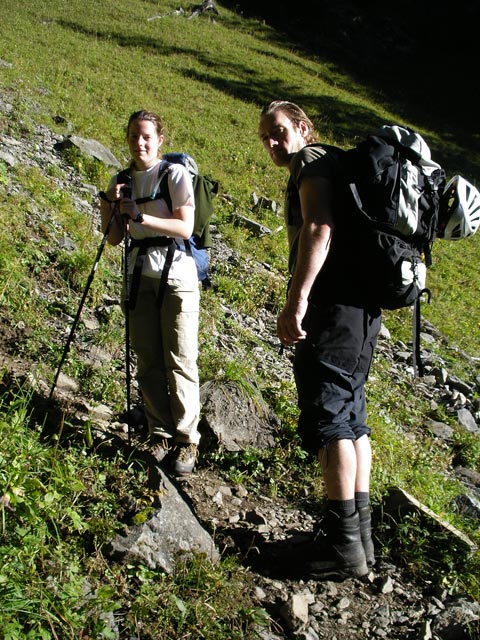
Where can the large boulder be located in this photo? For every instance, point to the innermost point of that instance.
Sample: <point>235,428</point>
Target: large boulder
<point>172,532</point>
<point>236,417</point>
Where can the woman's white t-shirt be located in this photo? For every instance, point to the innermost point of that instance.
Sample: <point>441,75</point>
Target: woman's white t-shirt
<point>180,187</point>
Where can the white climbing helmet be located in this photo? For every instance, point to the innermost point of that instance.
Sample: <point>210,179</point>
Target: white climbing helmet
<point>461,210</point>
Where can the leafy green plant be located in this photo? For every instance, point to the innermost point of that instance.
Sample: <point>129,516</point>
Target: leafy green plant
<point>198,601</point>
<point>467,449</point>
<point>439,555</point>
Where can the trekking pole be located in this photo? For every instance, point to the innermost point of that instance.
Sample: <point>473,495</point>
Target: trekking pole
<point>127,322</point>
<point>127,193</point>
<point>82,302</point>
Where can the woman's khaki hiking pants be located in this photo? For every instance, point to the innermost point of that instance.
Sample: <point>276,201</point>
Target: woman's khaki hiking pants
<point>165,341</point>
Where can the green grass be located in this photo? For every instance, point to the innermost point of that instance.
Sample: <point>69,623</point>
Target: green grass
<point>93,64</point>
<point>107,64</point>
<point>57,508</point>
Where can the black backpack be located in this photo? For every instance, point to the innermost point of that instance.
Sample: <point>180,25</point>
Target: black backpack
<point>390,192</point>
<point>393,200</point>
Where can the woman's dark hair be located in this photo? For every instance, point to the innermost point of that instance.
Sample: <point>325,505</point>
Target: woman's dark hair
<point>146,115</point>
<point>294,112</point>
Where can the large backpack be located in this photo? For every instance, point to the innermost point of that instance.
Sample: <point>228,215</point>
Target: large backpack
<point>205,189</point>
<point>394,197</point>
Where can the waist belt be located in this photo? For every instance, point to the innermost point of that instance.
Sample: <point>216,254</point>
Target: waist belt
<point>143,245</point>
<point>146,243</point>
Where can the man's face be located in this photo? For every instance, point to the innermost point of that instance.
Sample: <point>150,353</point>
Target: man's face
<point>281,137</point>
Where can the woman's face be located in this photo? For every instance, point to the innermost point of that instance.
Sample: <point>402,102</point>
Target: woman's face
<point>144,143</point>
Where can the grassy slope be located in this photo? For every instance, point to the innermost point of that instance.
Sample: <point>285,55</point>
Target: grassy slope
<point>94,63</point>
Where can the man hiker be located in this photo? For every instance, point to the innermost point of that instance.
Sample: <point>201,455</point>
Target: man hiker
<point>334,334</point>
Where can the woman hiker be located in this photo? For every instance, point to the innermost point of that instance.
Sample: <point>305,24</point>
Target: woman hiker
<point>163,316</point>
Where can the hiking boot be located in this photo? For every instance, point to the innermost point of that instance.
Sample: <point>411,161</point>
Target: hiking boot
<point>365,517</point>
<point>336,551</point>
<point>184,458</point>
<point>206,283</point>
<point>158,448</point>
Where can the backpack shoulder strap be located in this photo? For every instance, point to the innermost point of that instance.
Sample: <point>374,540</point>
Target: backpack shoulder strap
<point>161,190</point>
<point>125,177</point>
<point>162,185</point>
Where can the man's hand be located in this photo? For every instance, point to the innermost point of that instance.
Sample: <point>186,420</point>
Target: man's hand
<point>289,323</point>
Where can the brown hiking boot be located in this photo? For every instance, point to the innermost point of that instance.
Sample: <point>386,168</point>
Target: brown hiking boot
<point>184,458</point>
<point>158,448</point>
<point>336,552</point>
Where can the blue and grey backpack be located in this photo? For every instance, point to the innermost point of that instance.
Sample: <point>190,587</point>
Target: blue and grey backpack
<point>205,189</point>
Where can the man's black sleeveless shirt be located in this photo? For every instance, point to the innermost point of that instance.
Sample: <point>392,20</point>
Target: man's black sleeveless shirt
<point>336,281</point>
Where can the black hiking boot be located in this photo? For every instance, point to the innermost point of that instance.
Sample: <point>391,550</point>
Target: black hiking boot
<point>336,552</point>
<point>365,517</point>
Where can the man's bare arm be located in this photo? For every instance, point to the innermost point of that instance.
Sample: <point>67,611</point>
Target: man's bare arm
<point>314,244</point>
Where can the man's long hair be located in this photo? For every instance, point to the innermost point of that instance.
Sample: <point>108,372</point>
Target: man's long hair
<point>294,113</point>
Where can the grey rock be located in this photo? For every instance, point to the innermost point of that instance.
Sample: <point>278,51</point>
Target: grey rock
<point>234,418</point>
<point>467,421</point>
<point>7,158</point>
<point>455,623</point>
<point>92,148</point>
<point>258,229</point>
<point>172,532</point>
<point>441,430</point>
<point>467,505</point>
<point>455,383</point>
<point>469,476</point>
<point>263,203</point>
<point>295,612</point>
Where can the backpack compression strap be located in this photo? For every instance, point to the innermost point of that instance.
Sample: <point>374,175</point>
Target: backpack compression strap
<point>417,358</point>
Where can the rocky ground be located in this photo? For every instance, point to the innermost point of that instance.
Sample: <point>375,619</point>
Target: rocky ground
<point>389,603</point>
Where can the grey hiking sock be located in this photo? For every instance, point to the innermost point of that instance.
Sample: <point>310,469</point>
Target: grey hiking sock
<point>342,508</point>
<point>362,499</point>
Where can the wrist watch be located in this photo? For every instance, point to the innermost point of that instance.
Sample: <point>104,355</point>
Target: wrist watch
<point>139,217</point>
